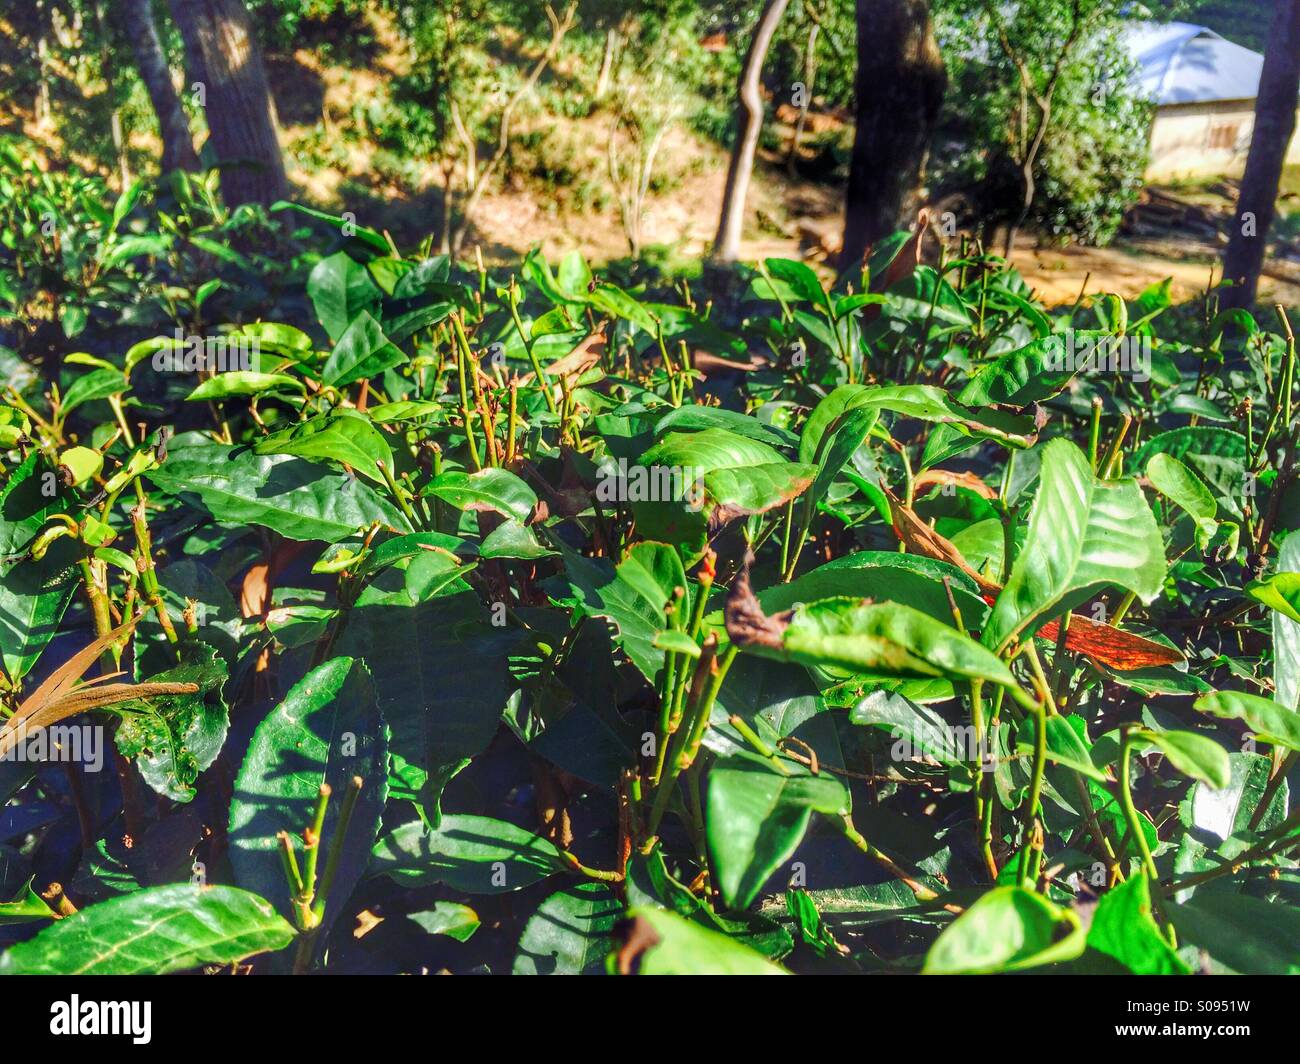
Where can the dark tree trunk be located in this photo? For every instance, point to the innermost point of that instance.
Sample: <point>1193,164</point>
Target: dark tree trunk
<point>1275,107</point>
<point>151,61</point>
<point>749,123</point>
<point>223,55</point>
<point>898,91</point>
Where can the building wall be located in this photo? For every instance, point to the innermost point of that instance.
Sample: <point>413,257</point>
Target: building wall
<point>1204,140</point>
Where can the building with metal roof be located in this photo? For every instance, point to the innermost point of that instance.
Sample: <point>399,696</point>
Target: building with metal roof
<point>1203,87</point>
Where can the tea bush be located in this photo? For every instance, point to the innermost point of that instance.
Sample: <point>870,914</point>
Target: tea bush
<point>362,612</point>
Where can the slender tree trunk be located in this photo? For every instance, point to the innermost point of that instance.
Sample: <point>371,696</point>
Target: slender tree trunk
<point>749,123</point>
<point>607,63</point>
<point>139,28</point>
<point>809,74</point>
<point>448,203</point>
<point>223,55</point>
<point>477,182</point>
<point>898,91</point>
<point>43,111</point>
<point>1275,108</point>
<point>107,67</point>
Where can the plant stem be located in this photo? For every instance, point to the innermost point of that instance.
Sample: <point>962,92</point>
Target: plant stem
<point>1094,433</point>
<point>1035,791</point>
<point>538,372</point>
<point>311,838</point>
<point>923,893</point>
<point>336,846</point>
<point>1130,810</point>
<point>463,365</point>
<point>710,671</point>
<point>148,575</point>
<point>399,496</point>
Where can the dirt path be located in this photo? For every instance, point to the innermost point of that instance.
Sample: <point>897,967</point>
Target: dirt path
<point>1058,275</point>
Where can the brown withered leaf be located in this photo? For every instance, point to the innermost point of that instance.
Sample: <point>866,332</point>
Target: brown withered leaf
<point>747,624</point>
<point>255,590</point>
<point>260,580</point>
<point>62,678</point>
<point>57,698</point>
<point>634,937</point>
<point>909,255</point>
<point>962,480</point>
<point>1111,646</point>
<point>900,268</point>
<point>1103,643</point>
<point>725,512</point>
<point>82,700</point>
<point>710,364</point>
<point>587,354</point>
<point>922,539</point>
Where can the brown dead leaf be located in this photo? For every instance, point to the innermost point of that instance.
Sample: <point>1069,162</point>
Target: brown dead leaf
<point>922,539</point>
<point>1111,646</point>
<point>962,480</point>
<point>634,937</point>
<point>366,922</point>
<point>255,590</point>
<point>32,716</point>
<point>61,679</point>
<point>1103,643</point>
<point>588,353</point>
<point>747,624</point>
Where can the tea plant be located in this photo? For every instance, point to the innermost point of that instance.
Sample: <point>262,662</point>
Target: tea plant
<point>493,620</point>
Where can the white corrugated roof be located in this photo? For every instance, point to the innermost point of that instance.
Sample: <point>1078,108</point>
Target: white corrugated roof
<point>1182,63</point>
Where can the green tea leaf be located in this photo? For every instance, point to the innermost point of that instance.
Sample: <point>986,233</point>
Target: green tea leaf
<point>1270,722</point>
<point>349,439</point>
<point>677,946</point>
<point>33,593</point>
<point>1084,534</point>
<point>885,638</point>
<point>340,290</point>
<point>475,854</point>
<point>173,738</point>
<point>447,918</point>
<point>27,907</point>
<point>243,382</point>
<point>289,495</point>
<point>757,817</point>
<point>1280,592</point>
<point>1178,483</point>
<point>569,933</point>
<point>492,490</point>
<point>362,351</point>
<point>1123,929</point>
<point>1248,935</point>
<point>1007,929</point>
<point>326,731</point>
<point>1194,755</point>
<point>441,675</point>
<point>153,932</point>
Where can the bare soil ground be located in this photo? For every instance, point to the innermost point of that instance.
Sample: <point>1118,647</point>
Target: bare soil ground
<point>333,161</point>
<point>1127,267</point>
